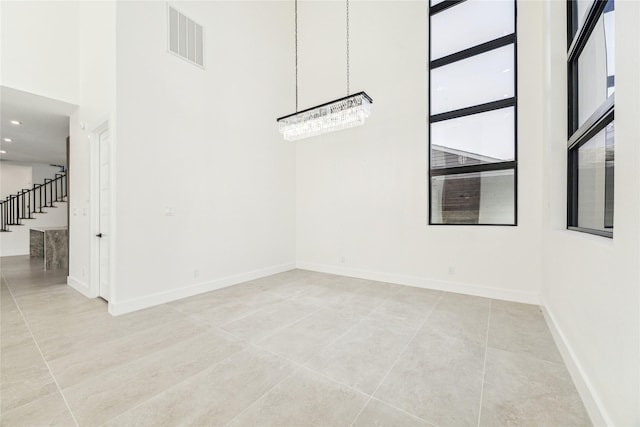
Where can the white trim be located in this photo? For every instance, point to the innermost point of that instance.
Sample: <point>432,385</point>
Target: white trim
<point>422,282</point>
<point>81,287</point>
<point>14,252</point>
<point>104,126</point>
<point>592,402</point>
<point>94,193</point>
<point>121,307</point>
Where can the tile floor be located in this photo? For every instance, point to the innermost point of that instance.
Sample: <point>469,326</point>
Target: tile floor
<point>295,349</point>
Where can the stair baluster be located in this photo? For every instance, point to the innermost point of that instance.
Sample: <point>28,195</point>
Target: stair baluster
<point>27,202</point>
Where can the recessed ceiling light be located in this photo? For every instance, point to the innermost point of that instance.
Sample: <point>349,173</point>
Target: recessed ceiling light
<point>8,140</point>
<point>3,152</point>
<point>16,122</point>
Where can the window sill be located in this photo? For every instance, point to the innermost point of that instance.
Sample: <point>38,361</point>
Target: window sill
<point>608,234</point>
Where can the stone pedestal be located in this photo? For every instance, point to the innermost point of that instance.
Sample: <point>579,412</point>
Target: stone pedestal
<point>50,243</point>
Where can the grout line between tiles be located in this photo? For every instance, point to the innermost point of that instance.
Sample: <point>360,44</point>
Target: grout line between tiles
<point>302,365</point>
<point>377,399</point>
<point>201,321</point>
<point>333,380</point>
<point>259,310</point>
<point>306,367</point>
<point>41,354</point>
<point>369,396</point>
<point>484,363</point>
<point>278,329</point>
<point>330,343</point>
<point>297,365</point>
<point>134,360</point>
<point>197,319</point>
<point>286,377</point>
<point>398,359</point>
<point>369,315</point>
<point>175,385</point>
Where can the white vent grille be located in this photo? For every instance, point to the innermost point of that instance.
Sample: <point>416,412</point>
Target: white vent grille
<point>186,38</point>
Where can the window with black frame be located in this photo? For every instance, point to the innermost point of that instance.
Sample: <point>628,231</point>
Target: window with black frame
<point>591,87</point>
<point>473,112</point>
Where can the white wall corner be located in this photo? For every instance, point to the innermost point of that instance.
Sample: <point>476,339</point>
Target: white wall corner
<point>426,283</point>
<point>81,287</point>
<point>592,402</point>
<point>117,308</point>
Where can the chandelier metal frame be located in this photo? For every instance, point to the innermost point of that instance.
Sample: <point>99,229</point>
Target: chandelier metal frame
<point>339,114</point>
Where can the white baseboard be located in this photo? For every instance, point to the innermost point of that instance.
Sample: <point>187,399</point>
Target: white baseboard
<point>16,252</point>
<point>588,394</point>
<point>421,282</point>
<point>121,307</point>
<point>80,286</point>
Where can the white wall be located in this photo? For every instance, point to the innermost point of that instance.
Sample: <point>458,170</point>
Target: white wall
<point>17,241</point>
<point>18,176</point>
<point>40,55</point>
<point>66,50</point>
<point>39,49</point>
<point>204,143</point>
<point>362,193</point>
<point>40,171</point>
<point>591,284</point>
<point>13,178</point>
<point>356,198</point>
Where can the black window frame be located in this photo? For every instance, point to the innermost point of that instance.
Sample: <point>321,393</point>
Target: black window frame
<point>507,40</point>
<point>578,135</point>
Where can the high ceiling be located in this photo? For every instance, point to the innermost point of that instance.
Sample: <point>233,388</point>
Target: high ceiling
<point>41,138</point>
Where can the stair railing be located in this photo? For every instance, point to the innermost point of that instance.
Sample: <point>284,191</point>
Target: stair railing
<point>25,203</point>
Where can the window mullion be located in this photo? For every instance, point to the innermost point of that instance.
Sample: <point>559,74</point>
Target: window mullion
<point>473,133</point>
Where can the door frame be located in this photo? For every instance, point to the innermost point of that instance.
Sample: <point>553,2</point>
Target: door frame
<point>68,181</point>
<point>94,141</point>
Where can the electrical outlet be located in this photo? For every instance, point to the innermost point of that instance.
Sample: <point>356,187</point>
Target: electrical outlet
<point>343,260</point>
<point>196,274</point>
<point>452,270</point>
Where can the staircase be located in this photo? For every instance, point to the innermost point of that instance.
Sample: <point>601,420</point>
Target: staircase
<point>18,207</point>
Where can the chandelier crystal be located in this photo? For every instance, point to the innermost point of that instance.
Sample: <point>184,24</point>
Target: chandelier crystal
<point>344,113</point>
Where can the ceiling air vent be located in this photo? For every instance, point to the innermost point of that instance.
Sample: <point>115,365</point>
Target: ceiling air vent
<point>186,38</point>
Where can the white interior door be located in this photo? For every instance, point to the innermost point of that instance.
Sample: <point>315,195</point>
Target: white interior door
<point>104,205</point>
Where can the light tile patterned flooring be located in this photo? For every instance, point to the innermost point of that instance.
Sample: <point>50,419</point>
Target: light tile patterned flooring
<point>295,349</point>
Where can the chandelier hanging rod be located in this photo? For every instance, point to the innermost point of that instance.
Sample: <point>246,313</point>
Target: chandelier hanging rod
<point>338,114</point>
<point>364,94</point>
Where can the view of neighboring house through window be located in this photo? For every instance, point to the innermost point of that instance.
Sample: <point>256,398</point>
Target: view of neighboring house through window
<point>591,74</point>
<point>472,107</point>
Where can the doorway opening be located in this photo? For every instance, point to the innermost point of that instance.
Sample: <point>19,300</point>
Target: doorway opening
<point>34,190</point>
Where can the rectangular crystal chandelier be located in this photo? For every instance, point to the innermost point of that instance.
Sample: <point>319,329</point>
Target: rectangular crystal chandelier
<point>343,113</point>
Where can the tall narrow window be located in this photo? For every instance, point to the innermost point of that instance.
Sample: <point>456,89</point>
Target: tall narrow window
<point>473,112</point>
<point>591,87</point>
